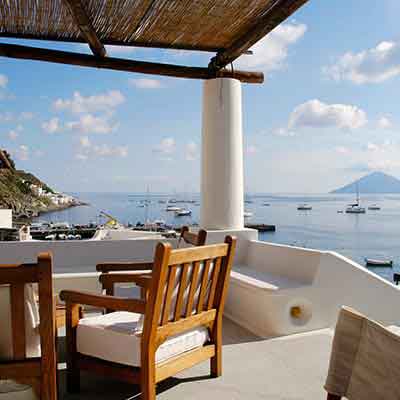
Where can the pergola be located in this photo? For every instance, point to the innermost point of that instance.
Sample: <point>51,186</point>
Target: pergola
<point>227,28</point>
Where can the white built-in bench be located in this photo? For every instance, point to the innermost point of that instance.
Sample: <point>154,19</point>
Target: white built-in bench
<point>249,276</point>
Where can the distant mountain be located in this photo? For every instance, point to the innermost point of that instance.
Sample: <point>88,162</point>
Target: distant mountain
<point>376,182</point>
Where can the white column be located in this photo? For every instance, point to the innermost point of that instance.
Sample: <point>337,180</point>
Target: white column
<point>222,155</point>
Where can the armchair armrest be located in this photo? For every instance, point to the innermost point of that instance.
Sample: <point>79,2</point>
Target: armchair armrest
<point>143,280</point>
<point>103,301</point>
<point>124,266</point>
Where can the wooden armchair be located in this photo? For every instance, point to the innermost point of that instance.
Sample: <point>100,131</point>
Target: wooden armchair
<point>27,346</point>
<point>108,280</point>
<point>147,341</point>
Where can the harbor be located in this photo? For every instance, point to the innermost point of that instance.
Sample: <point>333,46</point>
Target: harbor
<point>361,235</point>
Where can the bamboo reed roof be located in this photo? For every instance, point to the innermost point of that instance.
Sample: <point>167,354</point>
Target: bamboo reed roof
<point>226,27</point>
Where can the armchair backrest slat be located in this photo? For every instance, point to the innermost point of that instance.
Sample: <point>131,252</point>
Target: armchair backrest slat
<point>17,304</point>
<point>186,284</point>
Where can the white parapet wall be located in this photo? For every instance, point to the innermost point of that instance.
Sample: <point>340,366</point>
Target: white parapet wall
<point>5,219</point>
<point>280,290</point>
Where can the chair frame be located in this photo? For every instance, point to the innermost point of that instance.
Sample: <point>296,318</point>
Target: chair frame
<point>157,326</point>
<point>39,372</point>
<point>109,271</point>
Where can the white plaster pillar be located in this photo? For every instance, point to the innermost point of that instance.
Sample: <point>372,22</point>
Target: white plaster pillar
<point>222,155</point>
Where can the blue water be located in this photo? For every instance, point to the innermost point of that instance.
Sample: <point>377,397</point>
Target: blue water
<point>375,234</point>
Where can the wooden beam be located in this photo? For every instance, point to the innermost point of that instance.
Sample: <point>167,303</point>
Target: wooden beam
<point>85,26</point>
<point>118,64</point>
<point>278,12</point>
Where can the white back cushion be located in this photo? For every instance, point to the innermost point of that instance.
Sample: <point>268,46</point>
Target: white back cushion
<point>31,324</point>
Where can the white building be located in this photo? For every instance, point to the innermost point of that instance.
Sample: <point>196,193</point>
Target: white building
<point>5,219</point>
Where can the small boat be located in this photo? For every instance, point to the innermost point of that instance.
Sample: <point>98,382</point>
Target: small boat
<point>340,211</point>
<point>172,208</point>
<point>374,207</point>
<point>378,263</point>
<point>183,213</point>
<point>248,214</point>
<point>266,204</point>
<point>304,207</point>
<point>355,208</point>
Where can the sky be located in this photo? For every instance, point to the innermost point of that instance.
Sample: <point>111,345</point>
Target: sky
<point>327,113</point>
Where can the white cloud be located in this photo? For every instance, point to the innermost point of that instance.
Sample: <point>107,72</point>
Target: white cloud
<point>270,53</point>
<point>79,104</point>
<point>87,150</point>
<point>384,122</point>
<point>82,157</point>
<point>105,150</point>
<point>22,153</point>
<point>167,146</point>
<point>146,83</point>
<point>283,132</point>
<point>13,134</point>
<point>251,149</point>
<point>374,65</point>
<point>52,126</point>
<point>191,151</point>
<point>342,150</point>
<point>3,81</point>
<point>89,123</point>
<point>316,114</point>
<point>111,49</point>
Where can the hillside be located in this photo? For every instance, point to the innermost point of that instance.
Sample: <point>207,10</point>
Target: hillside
<point>376,182</point>
<point>15,193</point>
<point>27,195</point>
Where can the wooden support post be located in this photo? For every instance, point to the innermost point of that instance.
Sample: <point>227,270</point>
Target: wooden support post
<point>85,26</point>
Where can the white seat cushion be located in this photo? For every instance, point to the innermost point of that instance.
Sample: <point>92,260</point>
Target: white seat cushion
<point>9,390</point>
<point>113,337</point>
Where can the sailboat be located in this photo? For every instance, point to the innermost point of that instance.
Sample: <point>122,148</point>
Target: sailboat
<point>355,208</point>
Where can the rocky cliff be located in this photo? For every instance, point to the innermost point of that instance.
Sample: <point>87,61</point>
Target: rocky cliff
<point>16,193</point>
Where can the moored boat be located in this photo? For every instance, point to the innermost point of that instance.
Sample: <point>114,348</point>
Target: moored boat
<point>378,263</point>
<point>304,207</point>
<point>355,208</point>
<point>183,213</point>
<point>172,208</point>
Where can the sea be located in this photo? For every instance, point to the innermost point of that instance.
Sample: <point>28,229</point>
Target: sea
<point>375,234</point>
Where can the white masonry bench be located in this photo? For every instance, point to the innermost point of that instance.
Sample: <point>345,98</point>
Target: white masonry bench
<point>271,290</point>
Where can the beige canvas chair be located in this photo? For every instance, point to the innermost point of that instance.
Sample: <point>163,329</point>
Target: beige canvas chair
<point>27,334</point>
<point>146,341</point>
<point>365,359</point>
